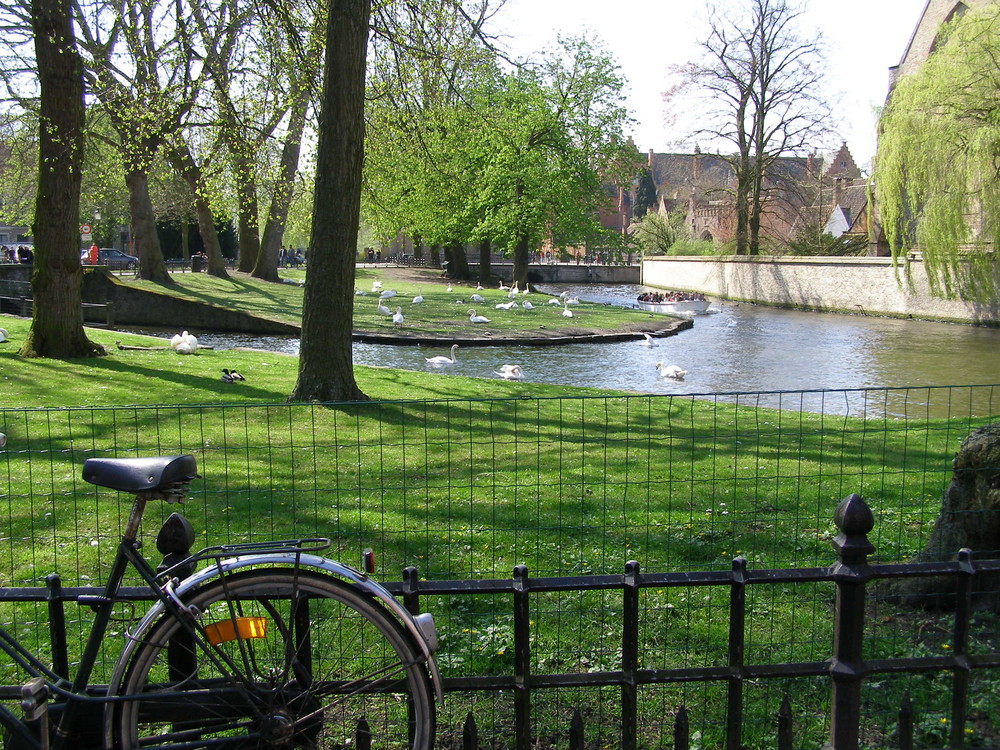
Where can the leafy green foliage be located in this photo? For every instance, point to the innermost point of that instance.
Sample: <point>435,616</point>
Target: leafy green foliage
<point>656,233</point>
<point>936,171</point>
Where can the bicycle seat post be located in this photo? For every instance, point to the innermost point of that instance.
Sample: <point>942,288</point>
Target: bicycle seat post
<point>135,517</point>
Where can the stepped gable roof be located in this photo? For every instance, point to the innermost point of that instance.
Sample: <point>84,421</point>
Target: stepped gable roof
<point>841,164</point>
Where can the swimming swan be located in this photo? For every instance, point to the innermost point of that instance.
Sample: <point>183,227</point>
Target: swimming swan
<point>509,372</point>
<point>671,371</point>
<point>442,360</point>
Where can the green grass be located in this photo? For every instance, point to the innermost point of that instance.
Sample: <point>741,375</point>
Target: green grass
<point>441,314</point>
<point>471,480</point>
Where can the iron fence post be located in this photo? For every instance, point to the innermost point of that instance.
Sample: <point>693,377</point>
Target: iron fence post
<point>737,644</point>
<point>630,655</point>
<point>960,646</point>
<point>522,660</point>
<point>851,572</point>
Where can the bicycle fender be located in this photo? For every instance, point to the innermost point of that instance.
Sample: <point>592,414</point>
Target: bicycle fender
<point>416,626</point>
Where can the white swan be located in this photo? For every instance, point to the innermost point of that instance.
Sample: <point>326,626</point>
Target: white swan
<point>671,371</point>
<point>418,299</point>
<point>527,305</point>
<point>510,372</point>
<point>397,318</point>
<point>473,318</point>
<point>555,301</point>
<point>187,345</point>
<point>648,341</point>
<point>383,310</point>
<point>360,292</point>
<point>572,300</point>
<point>442,360</point>
<point>449,286</point>
<point>387,293</point>
<point>513,291</point>
<point>477,298</point>
<point>503,287</point>
<point>479,287</point>
<point>376,285</point>
<point>567,313</point>
<point>507,305</point>
<point>3,334</point>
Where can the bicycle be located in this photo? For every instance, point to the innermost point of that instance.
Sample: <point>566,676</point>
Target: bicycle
<point>267,646</point>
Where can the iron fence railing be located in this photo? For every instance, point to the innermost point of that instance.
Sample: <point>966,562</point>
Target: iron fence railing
<point>847,665</point>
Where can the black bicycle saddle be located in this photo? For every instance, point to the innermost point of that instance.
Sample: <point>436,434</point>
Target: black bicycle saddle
<point>139,474</point>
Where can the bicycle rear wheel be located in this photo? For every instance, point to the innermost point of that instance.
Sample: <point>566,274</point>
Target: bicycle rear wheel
<point>285,659</point>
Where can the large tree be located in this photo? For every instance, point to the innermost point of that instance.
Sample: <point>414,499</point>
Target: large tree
<point>57,318</point>
<point>326,367</point>
<point>762,87</point>
<point>553,139</point>
<point>936,172</point>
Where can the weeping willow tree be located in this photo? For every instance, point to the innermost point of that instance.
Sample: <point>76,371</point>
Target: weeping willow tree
<point>938,167</point>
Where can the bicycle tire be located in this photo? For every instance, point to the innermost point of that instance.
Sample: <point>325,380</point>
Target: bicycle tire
<point>333,667</point>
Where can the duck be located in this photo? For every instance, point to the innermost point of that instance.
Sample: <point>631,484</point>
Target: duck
<point>442,360</point>
<point>232,375</point>
<point>226,377</point>
<point>383,310</point>
<point>418,299</point>
<point>397,317</point>
<point>671,371</point>
<point>509,372</point>
<point>477,318</point>
<point>647,341</point>
<point>477,298</point>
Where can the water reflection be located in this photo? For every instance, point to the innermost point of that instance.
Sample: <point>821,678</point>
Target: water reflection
<point>740,348</point>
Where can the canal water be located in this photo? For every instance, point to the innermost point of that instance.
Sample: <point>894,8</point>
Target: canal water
<point>736,348</point>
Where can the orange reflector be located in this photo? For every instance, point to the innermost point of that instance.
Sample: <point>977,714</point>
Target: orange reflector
<point>243,628</point>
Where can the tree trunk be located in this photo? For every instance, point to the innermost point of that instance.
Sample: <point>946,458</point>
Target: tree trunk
<point>147,243</point>
<point>183,161</point>
<point>521,257</point>
<point>326,365</point>
<point>485,267</point>
<point>969,517</point>
<point>249,223</point>
<point>266,267</point>
<point>57,318</point>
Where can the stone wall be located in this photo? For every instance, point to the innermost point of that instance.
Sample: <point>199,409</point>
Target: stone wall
<point>870,285</point>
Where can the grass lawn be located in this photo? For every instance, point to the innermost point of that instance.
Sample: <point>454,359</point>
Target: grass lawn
<point>442,313</point>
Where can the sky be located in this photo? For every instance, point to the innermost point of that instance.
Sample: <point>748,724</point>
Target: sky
<point>864,38</point>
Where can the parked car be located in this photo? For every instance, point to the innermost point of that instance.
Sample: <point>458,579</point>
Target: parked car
<point>116,260</point>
